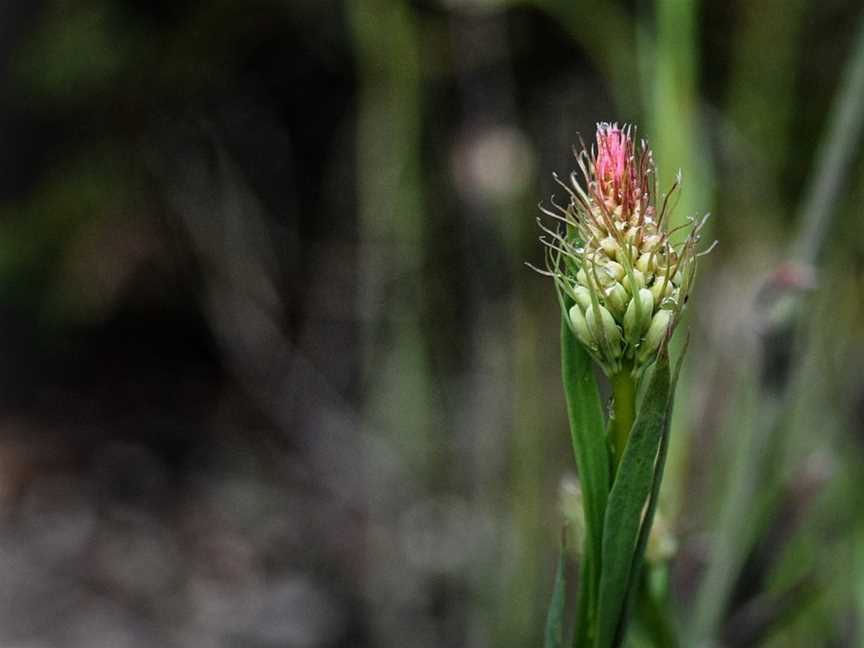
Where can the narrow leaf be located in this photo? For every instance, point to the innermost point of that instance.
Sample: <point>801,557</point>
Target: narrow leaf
<point>648,521</point>
<point>630,492</point>
<point>586,603</point>
<point>557,606</point>
<point>587,433</point>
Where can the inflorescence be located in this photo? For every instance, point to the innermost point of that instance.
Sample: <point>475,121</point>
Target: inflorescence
<point>621,278</point>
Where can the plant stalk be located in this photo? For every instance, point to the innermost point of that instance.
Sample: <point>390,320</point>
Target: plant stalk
<point>623,412</point>
<point>655,616</point>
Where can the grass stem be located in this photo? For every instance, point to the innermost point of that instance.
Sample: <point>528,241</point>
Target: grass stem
<point>623,412</point>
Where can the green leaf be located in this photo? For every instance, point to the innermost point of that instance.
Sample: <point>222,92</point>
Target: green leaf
<point>587,433</point>
<point>586,602</point>
<point>630,492</point>
<point>645,531</point>
<point>557,606</point>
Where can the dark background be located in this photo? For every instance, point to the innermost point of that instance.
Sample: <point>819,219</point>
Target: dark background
<point>273,371</point>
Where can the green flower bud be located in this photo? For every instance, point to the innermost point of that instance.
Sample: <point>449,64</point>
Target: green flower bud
<point>610,247</point>
<point>583,297</point>
<point>581,327</point>
<point>605,331</point>
<point>655,335</point>
<point>633,327</point>
<point>650,242</point>
<point>644,263</point>
<point>582,278</point>
<point>615,270</point>
<point>637,284</point>
<point>616,299</point>
<point>607,273</point>
<point>661,289</point>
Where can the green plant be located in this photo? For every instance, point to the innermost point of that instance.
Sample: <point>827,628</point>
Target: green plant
<point>622,282</point>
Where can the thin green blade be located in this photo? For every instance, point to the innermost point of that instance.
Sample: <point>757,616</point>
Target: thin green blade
<point>558,604</point>
<point>648,521</point>
<point>630,492</point>
<point>588,436</point>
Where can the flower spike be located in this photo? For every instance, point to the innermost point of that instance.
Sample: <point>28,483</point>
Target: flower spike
<point>625,281</point>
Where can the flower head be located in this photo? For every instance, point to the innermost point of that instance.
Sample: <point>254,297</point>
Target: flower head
<point>622,278</point>
<point>612,166</point>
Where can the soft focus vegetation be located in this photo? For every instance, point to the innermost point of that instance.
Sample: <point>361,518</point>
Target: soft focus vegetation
<point>274,372</point>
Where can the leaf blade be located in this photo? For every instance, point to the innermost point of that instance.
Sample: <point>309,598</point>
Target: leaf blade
<point>555,616</point>
<point>588,437</point>
<point>630,493</point>
<point>653,499</point>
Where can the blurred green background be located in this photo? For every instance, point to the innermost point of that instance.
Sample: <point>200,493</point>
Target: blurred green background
<point>273,371</point>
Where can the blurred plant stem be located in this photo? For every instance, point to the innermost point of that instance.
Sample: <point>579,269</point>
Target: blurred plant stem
<point>859,577</point>
<point>760,99</point>
<point>508,585</point>
<point>760,107</point>
<point>521,437</point>
<point>669,58</point>
<point>670,63</point>
<point>835,158</point>
<point>521,607</point>
<point>745,505</point>
<point>673,104</point>
<point>391,221</point>
<point>653,614</point>
<point>606,32</point>
<point>395,372</point>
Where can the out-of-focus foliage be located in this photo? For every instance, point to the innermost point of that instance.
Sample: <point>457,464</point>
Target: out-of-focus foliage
<point>274,373</point>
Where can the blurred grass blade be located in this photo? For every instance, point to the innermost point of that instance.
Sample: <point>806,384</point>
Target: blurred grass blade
<point>558,604</point>
<point>630,492</point>
<point>592,460</point>
<point>739,514</point>
<point>836,156</point>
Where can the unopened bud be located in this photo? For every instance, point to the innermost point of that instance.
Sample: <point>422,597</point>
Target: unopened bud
<point>661,289</point>
<point>637,284</point>
<point>604,331</point>
<point>635,326</point>
<point>644,264</point>
<point>617,298</point>
<point>582,277</point>
<point>609,273</point>
<point>655,335</point>
<point>616,270</point>
<point>580,327</point>
<point>610,247</point>
<point>650,242</point>
<point>582,296</point>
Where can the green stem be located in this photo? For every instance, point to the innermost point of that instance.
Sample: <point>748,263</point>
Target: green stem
<point>655,616</point>
<point>623,412</point>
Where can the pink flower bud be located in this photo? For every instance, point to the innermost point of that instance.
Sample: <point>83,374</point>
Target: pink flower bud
<point>615,168</point>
